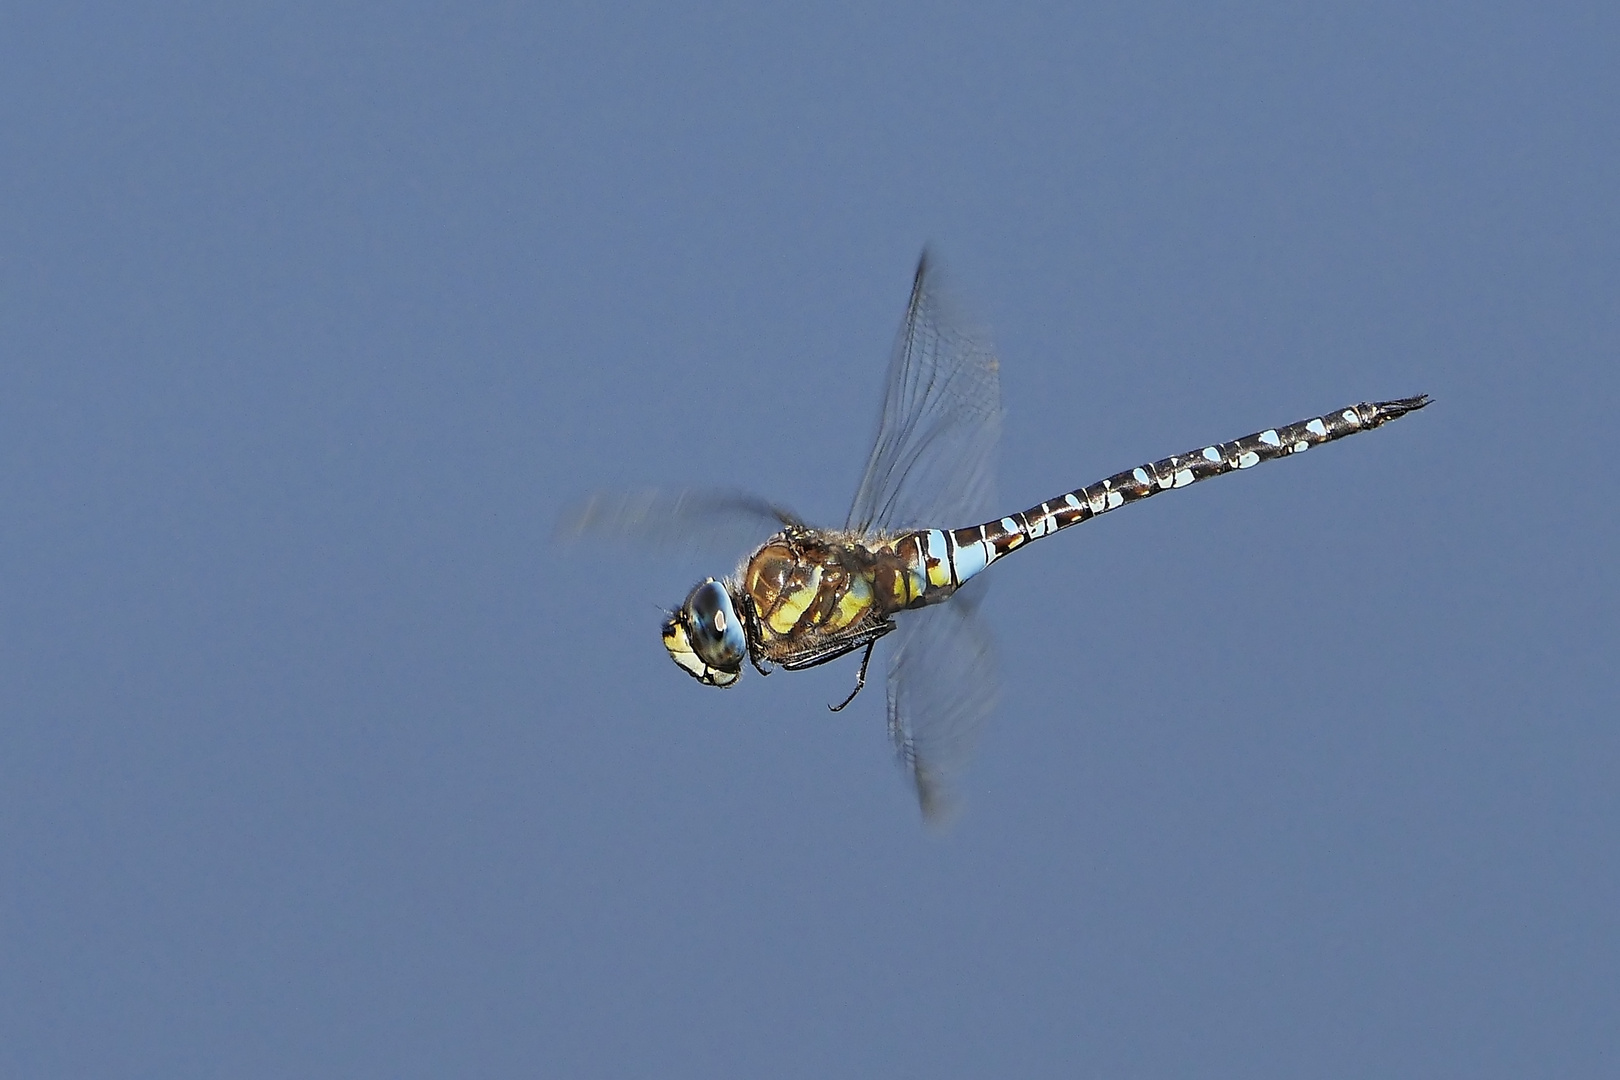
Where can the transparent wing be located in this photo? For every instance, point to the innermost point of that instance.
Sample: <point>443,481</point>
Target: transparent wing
<point>942,684</point>
<point>682,519</point>
<point>931,464</point>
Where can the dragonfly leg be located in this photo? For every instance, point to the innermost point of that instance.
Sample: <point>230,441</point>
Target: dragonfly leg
<point>752,615</point>
<point>860,678</point>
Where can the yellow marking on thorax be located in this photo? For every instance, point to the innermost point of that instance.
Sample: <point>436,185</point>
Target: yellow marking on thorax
<point>911,578</point>
<point>790,607</point>
<point>852,605</point>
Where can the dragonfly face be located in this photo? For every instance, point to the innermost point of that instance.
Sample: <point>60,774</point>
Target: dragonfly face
<point>706,638</point>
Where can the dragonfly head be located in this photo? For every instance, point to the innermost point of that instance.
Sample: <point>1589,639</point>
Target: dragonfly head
<point>705,636</point>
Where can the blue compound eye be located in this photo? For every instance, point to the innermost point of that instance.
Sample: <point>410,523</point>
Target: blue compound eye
<point>717,633</point>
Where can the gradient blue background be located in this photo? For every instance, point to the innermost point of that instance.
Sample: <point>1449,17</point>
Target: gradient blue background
<point>318,757</point>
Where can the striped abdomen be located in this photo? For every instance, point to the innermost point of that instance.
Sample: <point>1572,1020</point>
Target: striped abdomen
<point>950,557</point>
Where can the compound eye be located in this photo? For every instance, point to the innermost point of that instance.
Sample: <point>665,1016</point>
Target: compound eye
<point>717,633</point>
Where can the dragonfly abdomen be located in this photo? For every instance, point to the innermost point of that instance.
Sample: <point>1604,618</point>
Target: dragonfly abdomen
<point>953,556</point>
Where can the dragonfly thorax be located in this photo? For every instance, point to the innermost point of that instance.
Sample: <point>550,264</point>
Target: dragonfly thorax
<point>807,583</point>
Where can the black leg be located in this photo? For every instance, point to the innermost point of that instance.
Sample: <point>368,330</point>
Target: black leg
<point>860,679</point>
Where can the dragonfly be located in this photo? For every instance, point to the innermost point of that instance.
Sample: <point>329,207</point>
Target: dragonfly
<point>905,567</point>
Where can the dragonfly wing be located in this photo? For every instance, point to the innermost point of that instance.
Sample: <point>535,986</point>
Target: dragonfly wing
<point>682,519</point>
<point>932,466</point>
<point>942,684</point>
<point>931,463</point>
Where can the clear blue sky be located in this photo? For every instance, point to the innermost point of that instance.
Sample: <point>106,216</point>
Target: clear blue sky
<point>319,758</point>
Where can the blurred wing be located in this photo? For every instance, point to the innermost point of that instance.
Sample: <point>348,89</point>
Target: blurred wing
<point>942,684</point>
<point>684,519</point>
<point>931,466</point>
